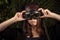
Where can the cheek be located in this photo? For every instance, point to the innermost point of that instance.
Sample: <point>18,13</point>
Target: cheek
<point>33,22</point>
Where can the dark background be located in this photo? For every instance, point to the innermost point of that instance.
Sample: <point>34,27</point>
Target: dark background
<point>8,8</point>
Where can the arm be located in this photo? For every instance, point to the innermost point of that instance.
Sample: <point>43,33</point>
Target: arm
<point>17,17</point>
<point>56,16</point>
<point>6,23</point>
<point>48,13</point>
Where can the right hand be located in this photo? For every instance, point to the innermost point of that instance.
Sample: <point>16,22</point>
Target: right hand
<point>46,13</point>
<point>18,16</point>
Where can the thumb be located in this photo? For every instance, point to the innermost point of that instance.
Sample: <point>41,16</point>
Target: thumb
<point>42,16</point>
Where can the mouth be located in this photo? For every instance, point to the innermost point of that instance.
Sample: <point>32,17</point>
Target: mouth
<point>33,23</point>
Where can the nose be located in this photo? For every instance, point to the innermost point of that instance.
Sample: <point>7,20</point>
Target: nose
<point>32,19</point>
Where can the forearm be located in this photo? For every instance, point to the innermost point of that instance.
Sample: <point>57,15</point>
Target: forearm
<point>56,16</point>
<point>6,23</point>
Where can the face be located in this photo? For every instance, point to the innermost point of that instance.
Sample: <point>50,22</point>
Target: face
<point>33,22</point>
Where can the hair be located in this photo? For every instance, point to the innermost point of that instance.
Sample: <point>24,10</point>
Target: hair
<point>27,28</point>
<point>32,6</point>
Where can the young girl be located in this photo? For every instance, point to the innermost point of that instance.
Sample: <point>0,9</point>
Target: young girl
<point>32,29</point>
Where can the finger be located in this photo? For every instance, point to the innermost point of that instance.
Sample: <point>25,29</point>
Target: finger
<point>40,9</point>
<point>24,19</point>
<point>18,14</point>
<point>43,11</point>
<point>42,16</point>
<point>23,11</point>
<point>48,11</point>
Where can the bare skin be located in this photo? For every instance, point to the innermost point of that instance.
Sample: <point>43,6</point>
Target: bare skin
<point>18,17</point>
<point>47,13</point>
<point>33,22</point>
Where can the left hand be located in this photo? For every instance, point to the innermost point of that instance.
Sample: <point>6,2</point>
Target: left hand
<point>46,13</point>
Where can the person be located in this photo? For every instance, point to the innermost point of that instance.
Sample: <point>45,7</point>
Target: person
<point>46,13</point>
<point>33,29</point>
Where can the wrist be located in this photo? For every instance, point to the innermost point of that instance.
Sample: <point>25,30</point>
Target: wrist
<point>13,19</point>
<point>53,15</point>
<point>56,16</point>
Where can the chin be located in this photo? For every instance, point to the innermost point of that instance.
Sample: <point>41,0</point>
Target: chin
<point>33,24</point>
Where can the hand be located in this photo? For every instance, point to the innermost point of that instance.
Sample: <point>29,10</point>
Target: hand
<point>46,13</point>
<point>18,16</point>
